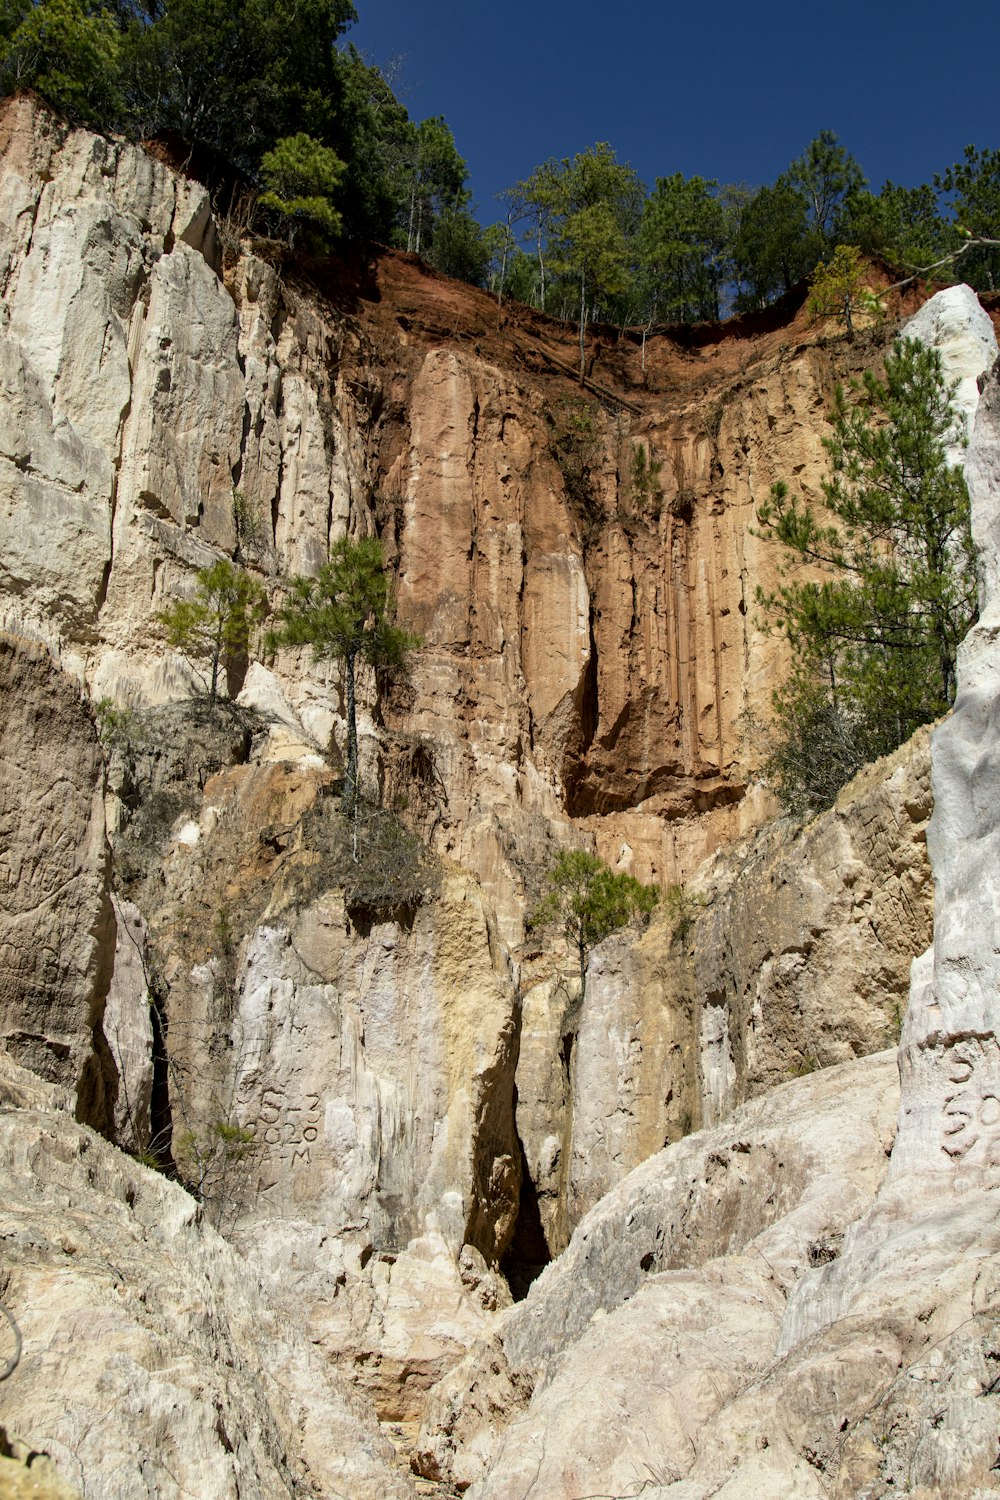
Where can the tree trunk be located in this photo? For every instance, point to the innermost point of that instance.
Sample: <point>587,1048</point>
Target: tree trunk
<point>541,272</point>
<point>583,324</point>
<point>351,779</point>
<point>213,691</point>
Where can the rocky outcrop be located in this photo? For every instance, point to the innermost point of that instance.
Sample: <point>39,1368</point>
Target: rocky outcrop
<point>878,1373</point>
<point>151,1361</point>
<point>335,1077</point>
<point>640,1316</point>
<point>802,957</point>
<point>28,1475</point>
<point>791,952</point>
<point>590,643</point>
<point>930,1240</point>
<point>340,1079</point>
<point>57,928</point>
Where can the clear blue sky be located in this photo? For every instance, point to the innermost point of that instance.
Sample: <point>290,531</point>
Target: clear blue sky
<point>724,89</point>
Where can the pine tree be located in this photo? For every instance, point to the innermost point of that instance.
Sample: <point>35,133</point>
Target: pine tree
<point>875,635</point>
<point>218,623</point>
<point>345,614</point>
<point>588,902</point>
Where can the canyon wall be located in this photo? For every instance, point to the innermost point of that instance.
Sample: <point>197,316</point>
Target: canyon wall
<point>592,654</point>
<point>835,1341</point>
<point>382,1108</point>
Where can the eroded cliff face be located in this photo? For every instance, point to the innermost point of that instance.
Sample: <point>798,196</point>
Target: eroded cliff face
<point>56,921</point>
<point>382,1109</point>
<point>858,1360</point>
<point>151,1360</point>
<point>590,643</point>
<point>791,953</point>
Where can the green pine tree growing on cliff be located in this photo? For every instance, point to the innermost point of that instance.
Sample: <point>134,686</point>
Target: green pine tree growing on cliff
<point>875,624</point>
<point>217,624</point>
<point>301,176</point>
<point>587,902</point>
<point>346,614</point>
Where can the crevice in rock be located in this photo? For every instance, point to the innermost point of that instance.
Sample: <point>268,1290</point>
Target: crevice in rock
<point>588,715</point>
<point>20,258</point>
<point>280,476</point>
<point>528,1253</point>
<point>102,592</point>
<point>161,1125</point>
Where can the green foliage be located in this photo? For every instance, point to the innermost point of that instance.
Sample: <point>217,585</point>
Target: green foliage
<point>251,534</point>
<point>66,49</point>
<point>217,624</point>
<point>346,614</point>
<point>117,728</point>
<point>586,209</point>
<point>644,478</point>
<point>301,176</point>
<point>838,288</point>
<point>973,185</point>
<point>372,133</point>
<point>266,89</point>
<point>535,202</point>
<point>682,907</point>
<point>459,247</point>
<point>902,225</point>
<point>681,250</point>
<point>576,446</point>
<point>587,902</point>
<point>875,634</point>
<point>825,174</point>
<point>771,244</point>
<point>223,933</point>
<point>437,179</point>
<point>236,76</point>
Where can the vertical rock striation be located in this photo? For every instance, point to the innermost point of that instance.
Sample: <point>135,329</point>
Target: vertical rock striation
<point>57,927</point>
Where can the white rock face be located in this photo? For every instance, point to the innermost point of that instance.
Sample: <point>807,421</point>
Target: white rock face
<point>368,1062</point>
<point>947,1156</point>
<point>739,991</point>
<point>128,1029</point>
<point>151,1362</point>
<point>954,323</point>
<point>57,926</point>
<point>668,1301</point>
<point>374,1062</point>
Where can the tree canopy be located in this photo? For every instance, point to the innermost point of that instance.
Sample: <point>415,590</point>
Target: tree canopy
<point>217,624</point>
<point>274,96</point>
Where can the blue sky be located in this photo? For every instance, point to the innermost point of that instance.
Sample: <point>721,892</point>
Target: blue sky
<point>727,90</point>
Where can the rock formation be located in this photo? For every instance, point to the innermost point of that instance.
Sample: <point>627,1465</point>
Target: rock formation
<point>872,1371</point>
<point>386,1105</point>
<point>791,952</point>
<point>151,1363</point>
<point>56,921</point>
<point>590,642</point>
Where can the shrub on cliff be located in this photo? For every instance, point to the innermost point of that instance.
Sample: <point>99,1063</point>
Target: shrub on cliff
<point>301,177</point>
<point>876,627</point>
<point>380,864</point>
<point>218,623</point>
<point>345,614</point>
<point>587,902</point>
